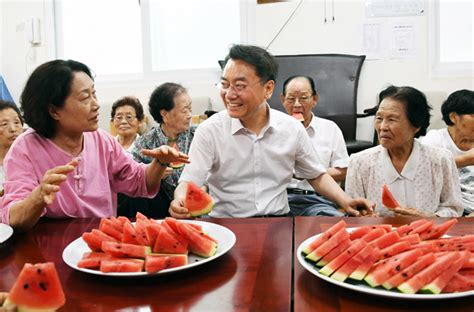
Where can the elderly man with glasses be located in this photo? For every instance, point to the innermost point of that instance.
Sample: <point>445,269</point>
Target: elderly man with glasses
<point>299,97</point>
<point>247,153</point>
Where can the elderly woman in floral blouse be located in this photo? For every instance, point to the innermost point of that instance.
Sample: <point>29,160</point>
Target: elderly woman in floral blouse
<point>170,107</point>
<point>423,179</point>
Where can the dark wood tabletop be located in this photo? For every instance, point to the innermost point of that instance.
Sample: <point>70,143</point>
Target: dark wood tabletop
<point>314,294</point>
<point>255,275</point>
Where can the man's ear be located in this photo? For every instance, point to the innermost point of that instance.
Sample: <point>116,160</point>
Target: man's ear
<point>269,87</point>
<point>53,112</point>
<point>282,98</point>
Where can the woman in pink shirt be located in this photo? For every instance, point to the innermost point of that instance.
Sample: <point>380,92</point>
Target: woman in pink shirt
<point>64,166</point>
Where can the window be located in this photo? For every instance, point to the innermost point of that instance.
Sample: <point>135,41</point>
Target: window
<point>452,38</point>
<point>132,38</point>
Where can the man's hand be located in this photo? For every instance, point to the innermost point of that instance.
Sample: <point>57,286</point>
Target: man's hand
<point>177,209</point>
<point>359,207</point>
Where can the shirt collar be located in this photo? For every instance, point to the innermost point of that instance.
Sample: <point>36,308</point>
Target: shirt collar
<point>409,170</point>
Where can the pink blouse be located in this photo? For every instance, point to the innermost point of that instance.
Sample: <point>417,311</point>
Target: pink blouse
<point>104,169</point>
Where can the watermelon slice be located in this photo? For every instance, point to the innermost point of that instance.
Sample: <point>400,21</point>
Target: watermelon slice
<point>95,238</point>
<point>334,253</point>
<point>438,230</point>
<point>365,266</point>
<point>91,260</point>
<point>111,228</point>
<point>169,243</point>
<point>156,263</point>
<point>411,270</point>
<point>197,201</point>
<point>298,116</point>
<point>122,250</point>
<point>337,262</point>
<point>324,237</point>
<point>37,288</point>
<point>197,244</point>
<point>352,264</point>
<point>459,283</point>
<point>121,265</point>
<point>388,200</point>
<point>436,286</point>
<point>328,245</point>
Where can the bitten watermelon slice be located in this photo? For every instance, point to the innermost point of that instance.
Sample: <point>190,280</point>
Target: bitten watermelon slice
<point>176,164</point>
<point>388,200</point>
<point>37,288</point>
<point>298,116</point>
<point>197,201</point>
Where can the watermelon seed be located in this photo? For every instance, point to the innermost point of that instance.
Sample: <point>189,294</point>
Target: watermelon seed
<point>42,286</point>
<point>39,271</point>
<point>25,286</point>
<point>397,268</point>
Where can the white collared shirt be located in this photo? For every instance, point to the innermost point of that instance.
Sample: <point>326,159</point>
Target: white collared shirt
<point>329,143</point>
<point>247,173</point>
<point>441,138</point>
<point>429,180</point>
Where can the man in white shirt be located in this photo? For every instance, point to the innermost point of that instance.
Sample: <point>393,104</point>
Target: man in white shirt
<point>247,153</point>
<point>299,97</point>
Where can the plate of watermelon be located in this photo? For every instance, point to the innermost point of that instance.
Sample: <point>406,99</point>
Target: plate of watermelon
<point>415,261</point>
<point>6,232</point>
<point>150,258</point>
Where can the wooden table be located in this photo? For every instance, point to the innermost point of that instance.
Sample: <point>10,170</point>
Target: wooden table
<point>314,294</point>
<point>255,275</point>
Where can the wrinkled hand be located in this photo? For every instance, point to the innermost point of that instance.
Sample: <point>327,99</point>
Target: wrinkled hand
<point>166,154</point>
<point>471,215</point>
<point>167,173</point>
<point>411,212</point>
<point>52,178</point>
<point>360,207</point>
<point>10,307</point>
<point>177,209</point>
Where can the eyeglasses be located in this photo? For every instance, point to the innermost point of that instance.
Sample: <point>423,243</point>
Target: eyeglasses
<point>127,118</point>
<point>302,99</point>
<point>224,86</point>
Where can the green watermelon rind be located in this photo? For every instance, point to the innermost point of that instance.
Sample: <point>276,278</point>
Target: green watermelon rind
<point>203,211</point>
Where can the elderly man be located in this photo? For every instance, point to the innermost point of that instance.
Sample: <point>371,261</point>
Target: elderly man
<point>299,97</point>
<point>248,152</point>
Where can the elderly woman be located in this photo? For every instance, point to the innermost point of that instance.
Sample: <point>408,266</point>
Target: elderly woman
<point>170,107</point>
<point>64,166</point>
<point>11,126</point>
<point>458,138</point>
<point>420,176</point>
<point>127,116</point>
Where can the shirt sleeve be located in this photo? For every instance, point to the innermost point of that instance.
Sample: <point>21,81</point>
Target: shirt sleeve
<point>339,157</point>
<point>202,156</point>
<point>450,198</point>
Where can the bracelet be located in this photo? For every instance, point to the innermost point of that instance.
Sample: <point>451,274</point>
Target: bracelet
<point>162,164</point>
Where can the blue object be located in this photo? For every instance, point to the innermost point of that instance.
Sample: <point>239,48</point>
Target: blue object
<point>4,93</point>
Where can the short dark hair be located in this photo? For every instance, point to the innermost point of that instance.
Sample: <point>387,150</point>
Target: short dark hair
<point>163,98</point>
<point>309,79</point>
<point>49,84</point>
<point>416,106</point>
<point>264,63</point>
<point>130,101</point>
<point>11,105</point>
<point>460,102</point>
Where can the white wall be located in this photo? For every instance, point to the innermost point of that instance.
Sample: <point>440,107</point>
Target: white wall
<point>306,33</point>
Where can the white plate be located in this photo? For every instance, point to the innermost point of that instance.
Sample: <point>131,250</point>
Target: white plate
<point>364,287</point>
<point>225,240</point>
<point>6,232</point>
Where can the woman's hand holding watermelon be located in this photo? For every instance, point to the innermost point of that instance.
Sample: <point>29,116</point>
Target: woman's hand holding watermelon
<point>177,209</point>
<point>412,212</point>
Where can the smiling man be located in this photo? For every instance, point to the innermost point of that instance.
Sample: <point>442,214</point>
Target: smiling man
<point>248,152</point>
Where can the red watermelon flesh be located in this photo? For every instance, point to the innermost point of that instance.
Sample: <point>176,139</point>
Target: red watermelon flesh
<point>438,230</point>
<point>361,231</point>
<point>328,245</point>
<point>352,264</point>
<point>140,228</point>
<point>95,239</point>
<point>405,229</point>
<point>440,282</point>
<point>176,164</point>
<point>37,287</point>
<point>91,260</point>
<point>428,274</point>
<point>388,200</point>
<point>411,270</point>
<point>121,265</point>
<point>385,240</point>
<point>197,201</point>
<point>372,235</point>
<point>156,263</point>
<point>168,243</point>
<point>379,274</point>
<point>425,227</point>
<point>197,244</point>
<point>152,230</point>
<point>459,283</point>
<point>110,228</point>
<point>337,262</point>
<point>365,266</point>
<point>122,250</point>
<point>412,238</point>
<point>130,235</point>
<point>334,253</point>
<point>395,249</point>
<point>324,237</point>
